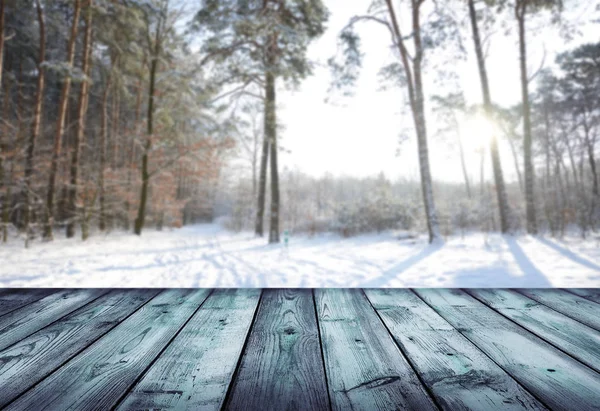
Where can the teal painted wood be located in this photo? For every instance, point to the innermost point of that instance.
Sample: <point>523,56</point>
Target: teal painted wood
<point>579,340</point>
<point>99,376</point>
<point>281,367</point>
<point>14,298</point>
<point>365,369</point>
<point>558,380</point>
<point>574,306</point>
<point>592,294</point>
<point>458,374</point>
<point>26,320</point>
<point>196,369</point>
<point>33,358</point>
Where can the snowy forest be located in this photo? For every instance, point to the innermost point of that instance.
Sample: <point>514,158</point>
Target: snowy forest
<point>137,114</point>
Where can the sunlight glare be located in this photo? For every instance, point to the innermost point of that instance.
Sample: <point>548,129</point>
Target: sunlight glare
<point>476,131</point>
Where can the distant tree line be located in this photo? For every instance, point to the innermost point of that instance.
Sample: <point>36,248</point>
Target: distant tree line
<point>120,113</point>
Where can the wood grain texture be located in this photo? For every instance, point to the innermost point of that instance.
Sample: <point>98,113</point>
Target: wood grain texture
<point>282,366</point>
<point>103,372</point>
<point>19,323</point>
<point>579,340</point>
<point>14,298</point>
<point>196,369</point>
<point>458,374</point>
<point>365,369</point>
<point>576,307</point>
<point>557,380</point>
<point>592,294</point>
<point>33,358</point>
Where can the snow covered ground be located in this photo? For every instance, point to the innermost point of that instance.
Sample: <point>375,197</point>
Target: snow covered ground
<point>209,256</point>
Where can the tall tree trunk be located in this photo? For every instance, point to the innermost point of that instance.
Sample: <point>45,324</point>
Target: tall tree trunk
<point>80,126</point>
<point>516,161</point>
<point>560,199</point>
<point>463,164</point>
<point>548,187</point>
<point>115,127</point>
<point>2,176</point>
<point>5,202</point>
<point>520,9</point>
<point>1,39</point>
<point>103,149</point>
<point>37,117</point>
<point>417,104</point>
<point>132,154</point>
<point>573,163</point>
<point>589,144</point>
<point>60,125</point>
<point>254,169</point>
<point>262,186</point>
<point>139,221</point>
<point>271,135</point>
<point>487,103</point>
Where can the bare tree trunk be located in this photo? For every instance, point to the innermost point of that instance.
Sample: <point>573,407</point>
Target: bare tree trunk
<point>115,126</point>
<point>80,126</point>
<point>520,9</point>
<point>589,143</point>
<point>60,125</point>
<point>254,165</point>
<point>560,199</point>
<point>415,93</point>
<point>137,120</point>
<point>262,184</point>
<point>37,117</point>
<point>464,165</point>
<point>5,205</point>
<point>2,176</point>
<point>271,134</point>
<point>139,222</point>
<point>573,162</point>
<point>103,148</point>
<point>549,187</point>
<point>487,103</point>
<point>1,39</point>
<point>516,160</point>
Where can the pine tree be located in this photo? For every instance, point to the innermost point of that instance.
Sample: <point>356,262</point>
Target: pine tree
<point>261,42</point>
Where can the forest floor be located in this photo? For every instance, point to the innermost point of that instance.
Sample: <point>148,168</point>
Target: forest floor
<point>209,256</point>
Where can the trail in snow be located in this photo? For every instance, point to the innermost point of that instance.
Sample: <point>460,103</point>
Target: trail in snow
<point>208,256</point>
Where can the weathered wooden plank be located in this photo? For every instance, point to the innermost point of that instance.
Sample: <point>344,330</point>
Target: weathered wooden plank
<point>100,375</point>
<point>592,294</point>
<point>196,369</point>
<point>30,360</point>
<point>18,324</point>
<point>553,377</point>
<point>281,367</point>
<point>14,298</point>
<point>579,340</point>
<point>458,374</point>
<point>364,367</point>
<point>574,306</point>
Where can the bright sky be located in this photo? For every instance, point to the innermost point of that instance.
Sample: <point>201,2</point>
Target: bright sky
<point>360,135</point>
